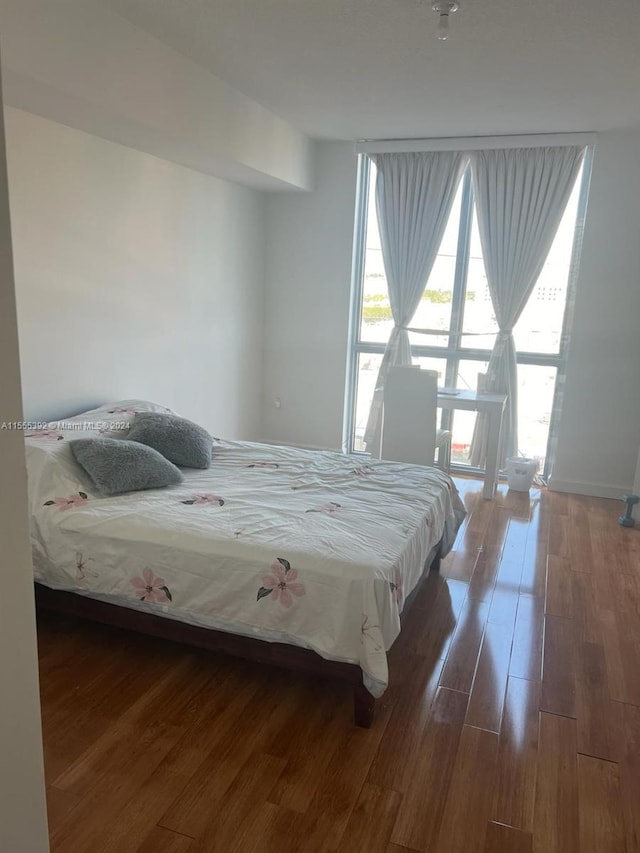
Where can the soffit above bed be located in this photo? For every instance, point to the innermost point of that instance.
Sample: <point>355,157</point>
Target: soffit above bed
<point>80,64</point>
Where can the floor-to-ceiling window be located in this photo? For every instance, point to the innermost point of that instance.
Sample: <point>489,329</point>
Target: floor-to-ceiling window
<point>454,328</point>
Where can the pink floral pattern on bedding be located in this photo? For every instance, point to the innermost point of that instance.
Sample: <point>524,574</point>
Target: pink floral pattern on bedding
<point>330,508</point>
<point>282,583</point>
<point>69,502</point>
<point>396,586</point>
<point>204,499</point>
<point>371,634</point>
<point>151,588</point>
<point>83,570</point>
<point>364,471</point>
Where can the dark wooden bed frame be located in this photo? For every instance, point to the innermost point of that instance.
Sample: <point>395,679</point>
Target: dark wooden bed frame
<point>261,651</point>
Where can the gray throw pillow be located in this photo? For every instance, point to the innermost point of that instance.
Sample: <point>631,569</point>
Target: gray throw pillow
<point>115,465</point>
<point>180,441</point>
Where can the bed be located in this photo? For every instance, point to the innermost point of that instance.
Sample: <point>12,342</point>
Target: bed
<point>283,555</point>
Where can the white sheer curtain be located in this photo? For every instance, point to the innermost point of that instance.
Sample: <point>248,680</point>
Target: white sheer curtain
<point>520,197</point>
<point>414,195</point>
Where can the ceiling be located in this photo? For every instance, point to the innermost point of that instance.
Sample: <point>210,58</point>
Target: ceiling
<point>348,69</point>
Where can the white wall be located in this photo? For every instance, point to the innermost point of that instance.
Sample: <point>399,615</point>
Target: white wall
<point>135,277</point>
<point>23,822</point>
<point>600,429</point>
<point>308,270</point>
<point>308,280</point>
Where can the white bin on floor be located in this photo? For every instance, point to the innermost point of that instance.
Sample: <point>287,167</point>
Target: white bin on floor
<point>520,473</point>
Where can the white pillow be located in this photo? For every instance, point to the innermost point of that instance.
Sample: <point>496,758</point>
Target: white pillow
<point>131,407</point>
<point>110,418</point>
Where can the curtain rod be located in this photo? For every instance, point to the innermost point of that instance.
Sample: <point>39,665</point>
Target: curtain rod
<point>473,143</point>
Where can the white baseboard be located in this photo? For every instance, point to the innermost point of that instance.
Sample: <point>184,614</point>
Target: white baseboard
<point>594,490</point>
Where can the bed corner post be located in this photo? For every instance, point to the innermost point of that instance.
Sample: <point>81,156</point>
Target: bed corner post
<point>363,706</point>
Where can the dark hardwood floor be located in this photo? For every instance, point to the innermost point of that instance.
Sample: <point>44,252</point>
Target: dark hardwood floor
<point>511,725</point>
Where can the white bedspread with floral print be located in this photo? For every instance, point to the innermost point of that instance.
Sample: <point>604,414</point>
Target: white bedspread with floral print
<point>308,548</point>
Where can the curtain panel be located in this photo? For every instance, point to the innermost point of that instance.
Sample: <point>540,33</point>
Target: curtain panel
<point>520,196</point>
<point>414,196</point>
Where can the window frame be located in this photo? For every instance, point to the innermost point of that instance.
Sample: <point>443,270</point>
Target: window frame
<point>454,352</point>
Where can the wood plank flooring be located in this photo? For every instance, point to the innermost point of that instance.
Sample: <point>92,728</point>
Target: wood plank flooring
<point>512,721</point>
